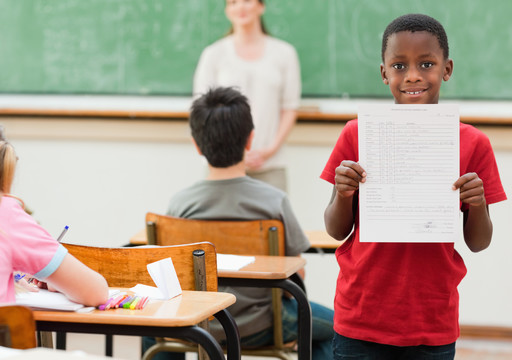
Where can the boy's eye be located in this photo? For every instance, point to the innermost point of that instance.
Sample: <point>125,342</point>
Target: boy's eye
<point>398,66</point>
<point>427,65</point>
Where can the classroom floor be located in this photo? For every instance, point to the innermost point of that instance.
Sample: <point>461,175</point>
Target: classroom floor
<point>128,347</point>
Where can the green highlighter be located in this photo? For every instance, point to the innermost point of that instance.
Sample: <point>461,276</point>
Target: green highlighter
<point>127,304</point>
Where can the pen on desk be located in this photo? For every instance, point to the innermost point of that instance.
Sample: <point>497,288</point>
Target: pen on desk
<point>18,277</point>
<point>63,233</point>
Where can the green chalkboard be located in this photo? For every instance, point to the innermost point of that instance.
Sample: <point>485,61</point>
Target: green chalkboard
<point>152,46</point>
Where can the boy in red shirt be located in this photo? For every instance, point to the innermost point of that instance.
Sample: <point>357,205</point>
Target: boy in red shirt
<point>400,300</point>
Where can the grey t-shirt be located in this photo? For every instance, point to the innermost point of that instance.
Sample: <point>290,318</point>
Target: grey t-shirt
<point>242,198</point>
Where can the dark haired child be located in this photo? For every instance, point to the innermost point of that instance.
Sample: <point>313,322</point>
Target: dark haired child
<point>400,300</point>
<point>222,131</point>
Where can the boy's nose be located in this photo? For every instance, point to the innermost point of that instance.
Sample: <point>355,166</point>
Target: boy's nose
<point>412,75</point>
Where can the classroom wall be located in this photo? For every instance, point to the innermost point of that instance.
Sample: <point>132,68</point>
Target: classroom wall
<point>102,186</point>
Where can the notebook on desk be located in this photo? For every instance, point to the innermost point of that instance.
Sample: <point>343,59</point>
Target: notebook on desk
<point>49,300</point>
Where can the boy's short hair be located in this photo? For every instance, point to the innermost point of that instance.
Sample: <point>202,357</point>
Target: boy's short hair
<point>416,22</point>
<point>221,123</point>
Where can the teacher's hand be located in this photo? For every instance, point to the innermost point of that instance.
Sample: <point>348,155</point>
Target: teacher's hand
<point>254,159</point>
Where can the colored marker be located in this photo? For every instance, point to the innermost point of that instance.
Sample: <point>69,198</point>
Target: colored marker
<point>146,300</point>
<point>114,301</point>
<point>140,303</point>
<point>120,301</point>
<point>107,304</point>
<point>125,300</point>
<point>103,306</point>
<point>134,303</point>
<point>127,304</point>
<point>63,233</point>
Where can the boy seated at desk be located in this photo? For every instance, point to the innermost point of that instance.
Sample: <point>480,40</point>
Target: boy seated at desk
<point>222,131</point>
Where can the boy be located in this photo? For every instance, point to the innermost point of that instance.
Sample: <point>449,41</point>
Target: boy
<point>400,300</point>
<point>222,131</point>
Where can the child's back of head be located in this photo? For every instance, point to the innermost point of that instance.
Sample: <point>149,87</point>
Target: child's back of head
<point>221,124</point>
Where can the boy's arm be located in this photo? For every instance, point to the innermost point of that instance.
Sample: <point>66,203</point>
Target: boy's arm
<point>477,222</point>
<point>339,215</point>
<point>477,227</point>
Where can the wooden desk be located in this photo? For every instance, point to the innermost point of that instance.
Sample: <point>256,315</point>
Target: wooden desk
<point>277,272</point>
<point>319,239</point>
<point>140,238</point>
<point>176,318</point>
<point>270,271</point>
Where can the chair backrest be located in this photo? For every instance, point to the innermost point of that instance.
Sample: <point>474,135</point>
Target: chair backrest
<point>247,237</point>
<point>126,266</point>
<point>17,327</point>
<point>229,237</point>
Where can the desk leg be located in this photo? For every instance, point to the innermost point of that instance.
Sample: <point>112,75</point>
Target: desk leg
<point>60,340</point>
<point>109,345</point>
<point>303,309</point>
<point>232,334</point>
<point>190,333</point>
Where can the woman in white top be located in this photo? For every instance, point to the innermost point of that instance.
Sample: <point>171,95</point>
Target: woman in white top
<point>266,70</point>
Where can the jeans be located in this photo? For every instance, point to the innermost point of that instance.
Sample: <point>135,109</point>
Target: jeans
<point>347,348</point>
<point>322,326</point>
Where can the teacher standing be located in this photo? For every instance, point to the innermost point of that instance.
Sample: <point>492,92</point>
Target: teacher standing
<point>266,70</point>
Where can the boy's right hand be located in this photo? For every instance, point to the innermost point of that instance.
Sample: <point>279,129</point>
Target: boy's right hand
<point>348,176</point>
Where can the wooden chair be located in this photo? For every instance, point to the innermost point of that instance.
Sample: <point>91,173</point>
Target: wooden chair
<point>126,267</point>
<point>17,327</point>
<point>253,237</point>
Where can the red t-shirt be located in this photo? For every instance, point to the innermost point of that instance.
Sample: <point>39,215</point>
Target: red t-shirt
<point>405,294</point>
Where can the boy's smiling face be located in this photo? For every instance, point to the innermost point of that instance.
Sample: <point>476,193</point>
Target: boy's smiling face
<point>414,67</point>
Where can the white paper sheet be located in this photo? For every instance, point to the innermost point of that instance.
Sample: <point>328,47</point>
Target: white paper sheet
<point>411,156</point>
<point>233,262</point>
<point>164,275</point>
<point>47,300</point>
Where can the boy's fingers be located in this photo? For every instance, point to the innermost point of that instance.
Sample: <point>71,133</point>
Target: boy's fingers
<point>472,192</point>
<point>463,180</point>
<point>352,168</point>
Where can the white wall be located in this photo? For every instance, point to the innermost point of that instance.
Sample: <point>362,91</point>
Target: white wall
<point>103,188</point>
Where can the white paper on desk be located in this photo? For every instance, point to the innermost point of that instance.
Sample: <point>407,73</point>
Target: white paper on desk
<point>47,300</point>
<point>164,275</point>
<point>411,156</point>
<point>233,262</point>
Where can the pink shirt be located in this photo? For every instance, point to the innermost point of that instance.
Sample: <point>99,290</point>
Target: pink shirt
<point>405,294</point>
<point>25,246</point>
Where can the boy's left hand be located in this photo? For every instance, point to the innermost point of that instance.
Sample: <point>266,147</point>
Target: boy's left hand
<point>471,189</point>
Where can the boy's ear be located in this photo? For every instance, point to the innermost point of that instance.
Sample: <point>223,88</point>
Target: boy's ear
<point>197,147</point>
<point>383,74</point>
<point>248,145</point>
<point>448,70</point>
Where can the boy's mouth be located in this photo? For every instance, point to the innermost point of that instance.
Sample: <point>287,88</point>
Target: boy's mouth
<point>413,91</point>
